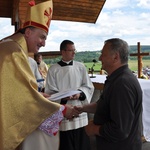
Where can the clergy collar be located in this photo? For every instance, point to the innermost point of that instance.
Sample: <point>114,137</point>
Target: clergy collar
<point>67,62</point>
<point>64,63</point>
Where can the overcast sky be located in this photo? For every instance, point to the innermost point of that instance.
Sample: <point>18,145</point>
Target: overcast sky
<point>126,19</point>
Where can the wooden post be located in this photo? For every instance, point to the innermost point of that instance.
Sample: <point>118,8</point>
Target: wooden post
<point>139,55</point>
<point>140,64</point>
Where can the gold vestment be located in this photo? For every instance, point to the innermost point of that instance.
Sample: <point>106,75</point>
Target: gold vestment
<point>22,107</point>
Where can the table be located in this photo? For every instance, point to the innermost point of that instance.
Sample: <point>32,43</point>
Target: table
<point>98,83</point>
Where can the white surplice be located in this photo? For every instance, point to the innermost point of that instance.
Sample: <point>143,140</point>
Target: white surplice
<point>71,77</point>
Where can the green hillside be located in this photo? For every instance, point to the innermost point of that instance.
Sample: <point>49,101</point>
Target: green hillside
<point>87,58</point>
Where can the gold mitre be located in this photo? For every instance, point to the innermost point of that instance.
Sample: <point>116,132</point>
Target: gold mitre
<point>39,15</point>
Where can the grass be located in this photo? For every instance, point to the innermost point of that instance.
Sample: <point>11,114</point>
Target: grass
<point>133,65</point>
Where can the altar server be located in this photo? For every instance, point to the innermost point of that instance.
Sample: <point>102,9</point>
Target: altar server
<point>68,74</point>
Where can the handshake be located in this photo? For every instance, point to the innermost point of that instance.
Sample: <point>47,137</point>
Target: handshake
<point>72,111</point>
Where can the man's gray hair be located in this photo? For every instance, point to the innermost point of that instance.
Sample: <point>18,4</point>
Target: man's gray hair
<point>120,46</point>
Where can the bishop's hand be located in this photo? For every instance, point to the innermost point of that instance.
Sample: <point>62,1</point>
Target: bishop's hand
<point>71,112</point>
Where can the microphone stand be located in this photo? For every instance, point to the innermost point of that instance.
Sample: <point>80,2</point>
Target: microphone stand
<point>92,71</point>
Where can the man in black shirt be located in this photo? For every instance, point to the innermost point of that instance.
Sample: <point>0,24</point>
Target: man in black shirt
<point>116,122</point>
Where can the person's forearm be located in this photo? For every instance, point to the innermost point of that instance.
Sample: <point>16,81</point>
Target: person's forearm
<point>90,108</point>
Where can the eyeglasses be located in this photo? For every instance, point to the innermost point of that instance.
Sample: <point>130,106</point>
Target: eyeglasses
<point>69,50</point>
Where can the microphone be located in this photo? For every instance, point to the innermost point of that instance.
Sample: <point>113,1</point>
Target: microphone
<point>94,61</point>
<point>92,68</point>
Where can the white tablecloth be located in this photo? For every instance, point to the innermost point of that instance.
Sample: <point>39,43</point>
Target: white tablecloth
<point>145,85</point>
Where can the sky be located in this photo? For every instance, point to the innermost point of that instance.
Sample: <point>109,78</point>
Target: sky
<point>125,19</point>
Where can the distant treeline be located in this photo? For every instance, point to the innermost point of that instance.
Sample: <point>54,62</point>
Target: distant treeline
<point>89,56</point>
